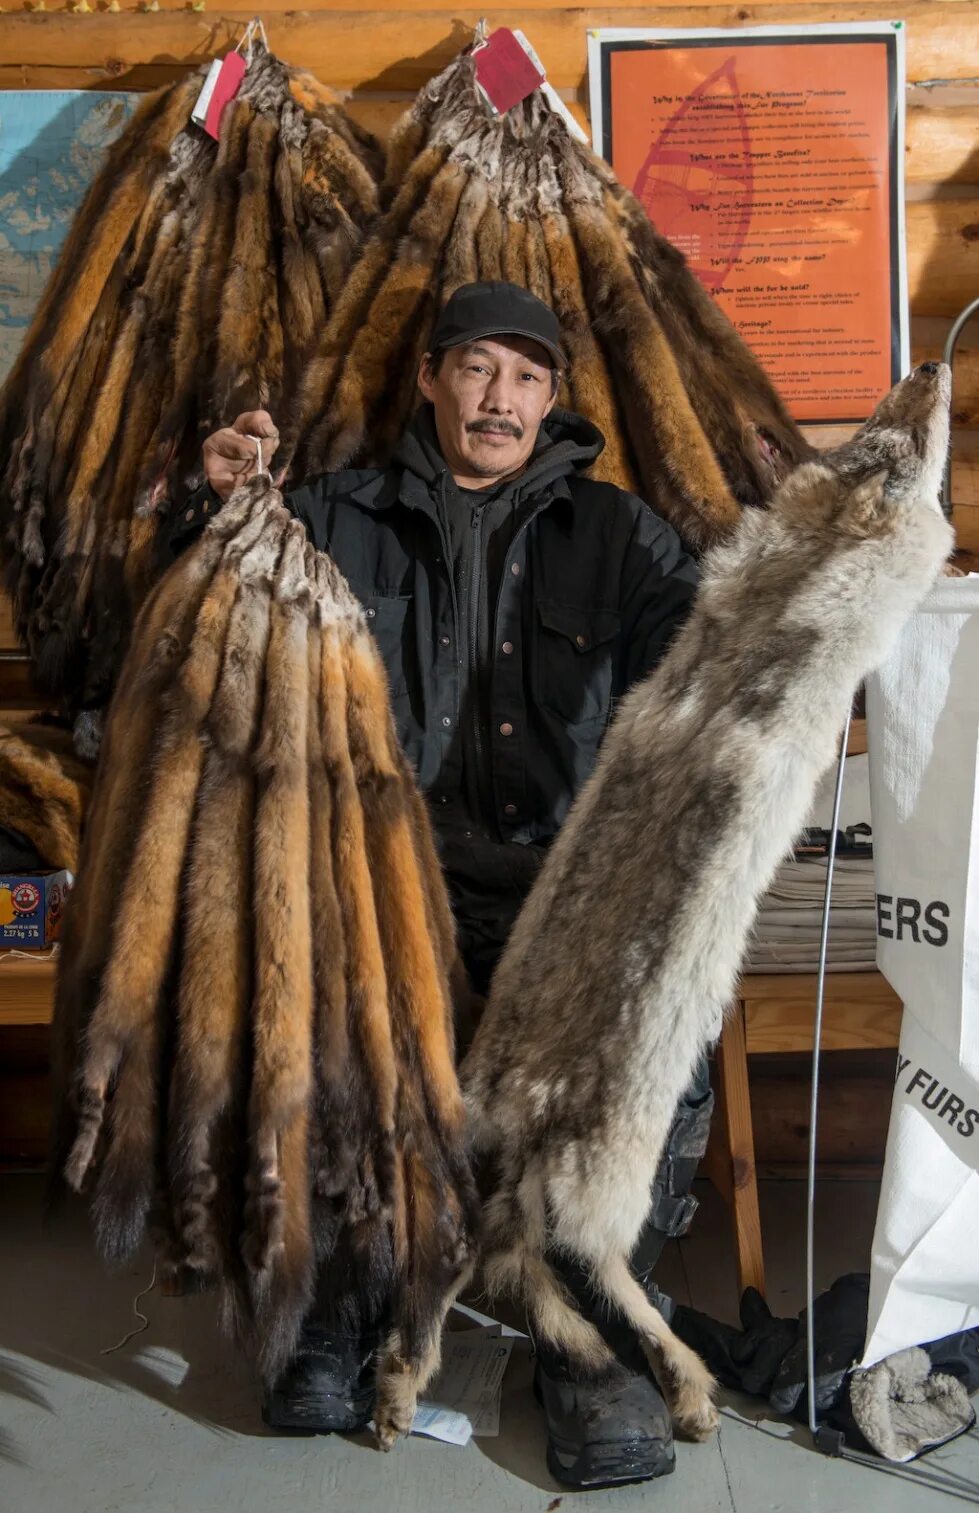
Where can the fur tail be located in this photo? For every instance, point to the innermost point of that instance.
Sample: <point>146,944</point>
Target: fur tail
<point>515,1264</point>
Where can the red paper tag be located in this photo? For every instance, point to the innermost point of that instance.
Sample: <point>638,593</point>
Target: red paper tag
<point>226,86</point>
<point>504,71</point>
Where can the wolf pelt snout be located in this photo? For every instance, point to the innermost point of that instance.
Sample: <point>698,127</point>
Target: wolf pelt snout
<point>617,973</point>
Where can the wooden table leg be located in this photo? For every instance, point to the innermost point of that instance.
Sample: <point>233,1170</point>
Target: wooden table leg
<point>735,1114</point>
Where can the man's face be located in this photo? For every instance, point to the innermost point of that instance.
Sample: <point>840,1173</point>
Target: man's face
<point>490,397</point>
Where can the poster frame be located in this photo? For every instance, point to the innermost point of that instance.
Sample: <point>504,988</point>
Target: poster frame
<point>603,41</point>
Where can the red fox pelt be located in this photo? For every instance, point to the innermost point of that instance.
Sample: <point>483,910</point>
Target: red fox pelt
<point>254,1033</point>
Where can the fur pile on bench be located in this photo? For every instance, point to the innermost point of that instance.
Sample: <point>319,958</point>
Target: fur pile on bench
<point>253,1030</point>
<point>45,788</point>
<point>690,420</point>
<point>192,283</point>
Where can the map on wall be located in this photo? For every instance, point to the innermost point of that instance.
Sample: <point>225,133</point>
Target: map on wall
<point>52,143</point>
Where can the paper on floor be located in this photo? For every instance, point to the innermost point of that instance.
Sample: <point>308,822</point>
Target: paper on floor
<point>465,1397</point>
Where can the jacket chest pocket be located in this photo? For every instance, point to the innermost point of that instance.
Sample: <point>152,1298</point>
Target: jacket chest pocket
<point>392,625</point>
<point>574,660</point>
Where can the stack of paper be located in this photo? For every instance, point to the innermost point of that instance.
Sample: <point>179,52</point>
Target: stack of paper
<point>787,930</point>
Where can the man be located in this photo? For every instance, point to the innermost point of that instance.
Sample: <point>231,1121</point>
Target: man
<point>513,601</point>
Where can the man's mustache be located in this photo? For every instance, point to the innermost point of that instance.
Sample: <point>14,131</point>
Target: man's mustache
<point>496,427</point>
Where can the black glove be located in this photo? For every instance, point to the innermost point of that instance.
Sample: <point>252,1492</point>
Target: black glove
<point>840,1327</point>
<point>746,1358</point>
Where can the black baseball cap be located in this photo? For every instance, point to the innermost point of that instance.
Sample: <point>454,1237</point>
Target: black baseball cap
<point>497,309</point>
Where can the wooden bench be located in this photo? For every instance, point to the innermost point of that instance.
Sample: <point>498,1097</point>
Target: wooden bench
<point>776,1013</point>
<point>27,987</point>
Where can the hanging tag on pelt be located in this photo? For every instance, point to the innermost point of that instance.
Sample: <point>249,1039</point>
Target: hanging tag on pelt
<point>199,113</point>
<point>221,85</point>
<point>505,70</point>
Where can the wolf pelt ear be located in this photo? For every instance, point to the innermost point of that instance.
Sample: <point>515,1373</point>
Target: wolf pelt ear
<point>863,506</point>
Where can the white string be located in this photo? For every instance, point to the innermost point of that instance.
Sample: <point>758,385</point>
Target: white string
<point>45,954</point>
<point>248,39</point>
<point>261,468</point>
<point>111,1349</point>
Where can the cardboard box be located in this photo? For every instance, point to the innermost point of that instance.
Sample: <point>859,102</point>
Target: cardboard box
<point>32,907</point>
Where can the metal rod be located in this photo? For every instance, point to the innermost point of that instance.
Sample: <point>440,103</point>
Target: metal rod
<point>947,356</point>
<point>814,1098</point>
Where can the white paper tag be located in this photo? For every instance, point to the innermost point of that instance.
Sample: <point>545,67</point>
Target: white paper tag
<point>465,1398</point>
<point>442,1424</point>
<point>558,106</point>
<point>199,112</point>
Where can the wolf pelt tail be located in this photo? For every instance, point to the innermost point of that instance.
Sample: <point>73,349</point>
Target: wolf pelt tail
<point>515,1264</point>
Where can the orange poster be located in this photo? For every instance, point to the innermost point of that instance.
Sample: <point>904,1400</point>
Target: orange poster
<point>773,160</point>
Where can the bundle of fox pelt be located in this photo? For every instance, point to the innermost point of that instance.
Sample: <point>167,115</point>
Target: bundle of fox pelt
<point>626,953</point>
<point>192,283</point>
<point>688,416</point>
<point>253,1019</point>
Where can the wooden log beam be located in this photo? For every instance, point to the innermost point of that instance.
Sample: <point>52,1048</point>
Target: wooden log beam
<point>378,115</point>
<point>943,255</point>
<point>402,49</point>
<point>965,380</point>
<point>942,139</point>
<point>942,144</point>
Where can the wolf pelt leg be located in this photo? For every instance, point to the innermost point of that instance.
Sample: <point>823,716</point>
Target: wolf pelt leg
<point>600,1222</point>
<point>619,968</point>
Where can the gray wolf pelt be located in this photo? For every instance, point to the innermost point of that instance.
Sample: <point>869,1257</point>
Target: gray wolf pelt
<point>619,968</point>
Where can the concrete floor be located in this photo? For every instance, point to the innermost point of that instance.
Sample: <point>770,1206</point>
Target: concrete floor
<point>170,1424</point>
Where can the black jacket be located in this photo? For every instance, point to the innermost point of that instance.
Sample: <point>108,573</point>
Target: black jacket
<point>509,622</point>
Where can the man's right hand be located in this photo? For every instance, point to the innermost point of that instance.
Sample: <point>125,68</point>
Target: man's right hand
<point>230,458</point>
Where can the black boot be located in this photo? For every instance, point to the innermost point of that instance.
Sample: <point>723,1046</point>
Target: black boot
<point>608,1429</point>
<point>328,1387</point>
<point>617,1428</point>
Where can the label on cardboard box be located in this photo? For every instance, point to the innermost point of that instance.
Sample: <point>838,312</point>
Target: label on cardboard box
<point>32,906</point>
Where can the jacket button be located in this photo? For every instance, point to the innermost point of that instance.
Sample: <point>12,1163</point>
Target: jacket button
<point>444,799</point>
<point>370,613</point>
<point>446,721</point>
<point>189,515</point>
<point>580,641</point>
<point>445,640</point>
<point>509,808</point>
<point>515,569</point>
<point>507,648</point>
<point>506,728</point>
<point>206,506</point>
